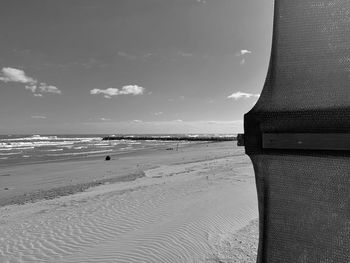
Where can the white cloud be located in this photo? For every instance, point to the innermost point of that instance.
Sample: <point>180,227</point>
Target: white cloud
<point>126,90</point>
<point>244,52</point>
<point>137,121</point>
<point>132,89</point>
<point>108,93</point>
<point>38,117</point>
<point>42,87</point>
<point>105,119</point>
<point>240,95</point>
<point>158,113</point>
<point>31,87</point>
<point>15,75</point>
<point>45,88</point>
<point>19,76</point>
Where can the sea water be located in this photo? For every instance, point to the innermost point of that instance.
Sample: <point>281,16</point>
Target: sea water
<point>21,149</point>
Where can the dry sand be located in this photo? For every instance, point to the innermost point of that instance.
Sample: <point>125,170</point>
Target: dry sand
<point>195,205</point>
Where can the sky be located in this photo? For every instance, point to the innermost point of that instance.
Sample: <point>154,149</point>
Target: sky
<point>131,66</point>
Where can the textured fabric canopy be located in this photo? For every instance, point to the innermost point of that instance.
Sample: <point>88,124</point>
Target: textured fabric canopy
<point>304,195</point>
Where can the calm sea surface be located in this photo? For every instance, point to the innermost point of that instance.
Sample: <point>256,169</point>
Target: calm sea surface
<point>20,149</point>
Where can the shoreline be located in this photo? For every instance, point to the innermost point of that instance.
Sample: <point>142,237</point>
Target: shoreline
<point>101,155</point>
<point>67,186</point>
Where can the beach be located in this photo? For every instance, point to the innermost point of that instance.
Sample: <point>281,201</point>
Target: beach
<point>194,204</point>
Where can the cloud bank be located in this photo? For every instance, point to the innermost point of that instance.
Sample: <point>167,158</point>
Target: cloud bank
<point>242,95</point>
<point>126,90</point>
<point>19,76</point>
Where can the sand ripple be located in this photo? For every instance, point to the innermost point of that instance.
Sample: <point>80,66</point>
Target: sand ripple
<point>161,219</point>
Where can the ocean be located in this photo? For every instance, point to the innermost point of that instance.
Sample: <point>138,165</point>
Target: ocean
<point>22,149</point>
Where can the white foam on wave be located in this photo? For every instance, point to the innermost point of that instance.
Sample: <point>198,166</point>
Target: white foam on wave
<point>52,138</point>
<point>23,148</point>
<point>31,138</point>
<point>168,219</point>
<point>52,150</point>
<point>79,147</point>
<point>9,154</point>
<point>80,153</point>
<point>133,142</point>
<point>6,149</point>
<point>32,144</point>
<point>36,141</point>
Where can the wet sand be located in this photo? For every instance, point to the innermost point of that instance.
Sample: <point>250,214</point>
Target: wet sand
<point>197,204</point>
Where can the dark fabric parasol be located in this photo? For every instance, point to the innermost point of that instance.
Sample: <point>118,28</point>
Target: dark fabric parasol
<point>298,136</point>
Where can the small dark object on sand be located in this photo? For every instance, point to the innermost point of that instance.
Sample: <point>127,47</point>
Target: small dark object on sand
<point>6,188</point>
<point>108,158</point>
<point>169,149</point>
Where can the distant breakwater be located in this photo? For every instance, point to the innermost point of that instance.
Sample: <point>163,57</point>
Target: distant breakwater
<point>172,138</point>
